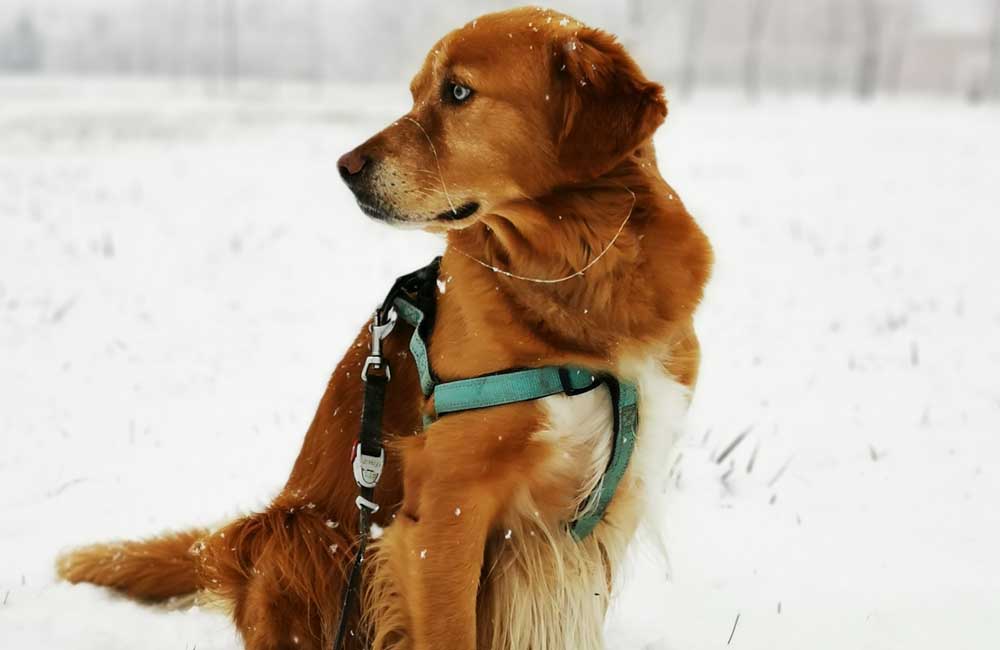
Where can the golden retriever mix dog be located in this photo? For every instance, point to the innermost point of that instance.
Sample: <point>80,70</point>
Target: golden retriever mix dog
<point>529,146</point>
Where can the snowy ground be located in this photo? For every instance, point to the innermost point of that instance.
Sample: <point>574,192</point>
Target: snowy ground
<point>179,273</point>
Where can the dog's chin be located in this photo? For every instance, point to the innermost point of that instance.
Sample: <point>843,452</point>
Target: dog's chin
<point>382,213</point>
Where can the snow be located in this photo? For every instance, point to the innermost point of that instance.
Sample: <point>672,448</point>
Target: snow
<point>179,273</point>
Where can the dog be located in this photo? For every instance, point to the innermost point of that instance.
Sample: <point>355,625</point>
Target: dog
<point>529,148</point>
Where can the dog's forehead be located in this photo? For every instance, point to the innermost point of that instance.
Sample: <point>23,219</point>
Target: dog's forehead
<point>534,19</point>
<point>505,41</point>
<point>509,31</point>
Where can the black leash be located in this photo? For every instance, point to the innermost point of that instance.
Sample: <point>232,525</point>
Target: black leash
<point>369,453</point>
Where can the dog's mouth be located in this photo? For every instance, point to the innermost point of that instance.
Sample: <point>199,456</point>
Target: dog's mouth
<point>377,209</point>
<point>460,213</point>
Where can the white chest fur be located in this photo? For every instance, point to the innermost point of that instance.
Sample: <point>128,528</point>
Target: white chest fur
<point>581,427</point>
<point>546,590</point>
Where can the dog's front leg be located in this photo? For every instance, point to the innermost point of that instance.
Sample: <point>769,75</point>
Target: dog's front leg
<point>458,477</point>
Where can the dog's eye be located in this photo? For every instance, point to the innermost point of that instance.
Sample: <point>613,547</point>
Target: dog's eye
<point>459,93</point>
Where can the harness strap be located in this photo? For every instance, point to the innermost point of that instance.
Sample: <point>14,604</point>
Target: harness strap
<point>415,317</point>
<point>625,402</point>
<point>510,387</point>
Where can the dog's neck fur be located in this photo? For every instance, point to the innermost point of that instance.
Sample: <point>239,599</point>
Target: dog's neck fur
<point>646,285</point>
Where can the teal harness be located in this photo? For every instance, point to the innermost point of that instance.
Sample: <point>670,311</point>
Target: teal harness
<point>519,385</point>
<point>413,298</point>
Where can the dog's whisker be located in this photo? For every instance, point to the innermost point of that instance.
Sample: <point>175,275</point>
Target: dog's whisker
<point>437,161</point>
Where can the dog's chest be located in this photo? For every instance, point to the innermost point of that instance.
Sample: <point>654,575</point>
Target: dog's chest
<point>581,428</point>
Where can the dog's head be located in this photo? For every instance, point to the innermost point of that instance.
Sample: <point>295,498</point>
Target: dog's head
<point>506,108</point>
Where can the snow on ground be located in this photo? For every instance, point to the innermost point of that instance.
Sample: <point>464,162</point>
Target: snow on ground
<point>179,272</point>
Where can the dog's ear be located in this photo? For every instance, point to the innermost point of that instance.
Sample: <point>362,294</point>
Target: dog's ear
<point>608,106</point>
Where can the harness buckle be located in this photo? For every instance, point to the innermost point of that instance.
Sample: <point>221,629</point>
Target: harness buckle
<point>367,469</point>
<point>567,383</point>
<point>378,364</point>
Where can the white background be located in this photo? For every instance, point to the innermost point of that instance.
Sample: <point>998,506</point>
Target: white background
<point>178,276</point>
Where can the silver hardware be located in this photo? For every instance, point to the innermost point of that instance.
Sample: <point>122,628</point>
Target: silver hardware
<point>362,502</point>
<point>367,469</point>
<point>375,361</point>
<point>379,332</point>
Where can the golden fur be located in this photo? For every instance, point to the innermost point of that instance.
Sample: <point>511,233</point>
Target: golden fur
<point>547,169</point>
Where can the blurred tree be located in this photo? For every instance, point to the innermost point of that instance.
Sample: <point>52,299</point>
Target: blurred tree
<point>231,42</point>
<point>317,54</point>
<point>993,76</point>
<point>21,50</point>
<point>759,12</point>
<point>179,38</point>
<point>871,49</point>
<point>835,33</point>
<point>635,14</point>
<point>896,59</point>
<point>692,46</point>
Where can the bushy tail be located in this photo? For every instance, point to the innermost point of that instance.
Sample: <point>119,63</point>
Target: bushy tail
<point>151,570</point>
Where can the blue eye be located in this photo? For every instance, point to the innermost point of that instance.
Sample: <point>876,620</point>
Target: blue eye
<point>460,93</point>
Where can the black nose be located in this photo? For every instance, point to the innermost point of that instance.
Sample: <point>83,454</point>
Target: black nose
<point>351,164</point>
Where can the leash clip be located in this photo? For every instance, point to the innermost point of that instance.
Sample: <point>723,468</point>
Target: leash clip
<point>379,331</point>
<point>375,362</point>
<point>367,469</point>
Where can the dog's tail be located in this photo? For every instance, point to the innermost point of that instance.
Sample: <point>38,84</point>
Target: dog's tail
<point>151,570</point>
